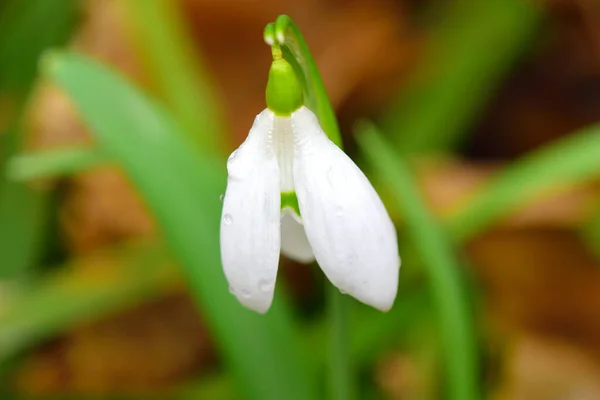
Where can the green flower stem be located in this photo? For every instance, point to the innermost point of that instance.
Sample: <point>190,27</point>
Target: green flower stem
<point>284,33</point>
<point>285,38</point>
<point>339,372</point>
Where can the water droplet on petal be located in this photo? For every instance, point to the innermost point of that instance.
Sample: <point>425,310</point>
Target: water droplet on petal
<point>265,285</point>
<point>221,197</point>
<point>227,219</point>
<point>232,157</point>
<point>232,290</point>
<point>235,168</point>
<point>342,291</point>
<point>330,176</point>
<point>245,293</point>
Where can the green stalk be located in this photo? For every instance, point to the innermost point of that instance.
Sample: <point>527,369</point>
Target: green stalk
<point>340,385</point>
<point>284,33</point>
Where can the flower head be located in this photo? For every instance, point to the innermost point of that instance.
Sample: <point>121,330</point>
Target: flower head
<point>291,189</point>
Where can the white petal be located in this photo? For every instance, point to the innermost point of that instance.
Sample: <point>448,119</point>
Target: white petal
<point>294,243</point>
<point>250,235</point>
<point>347,225</point>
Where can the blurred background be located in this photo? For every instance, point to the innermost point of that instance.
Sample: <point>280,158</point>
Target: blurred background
<point>92,306</point>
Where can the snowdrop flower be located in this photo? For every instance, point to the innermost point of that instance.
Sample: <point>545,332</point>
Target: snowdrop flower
<point>291,189</point>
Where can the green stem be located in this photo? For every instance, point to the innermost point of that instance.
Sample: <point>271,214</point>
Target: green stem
<point>286,40</point>
<point>340,371</point>
<point>284,33</point>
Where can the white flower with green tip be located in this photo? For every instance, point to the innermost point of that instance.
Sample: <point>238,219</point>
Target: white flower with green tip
<point>291,189</point>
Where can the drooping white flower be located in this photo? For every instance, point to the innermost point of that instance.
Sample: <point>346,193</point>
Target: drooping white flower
<point>339,219</point>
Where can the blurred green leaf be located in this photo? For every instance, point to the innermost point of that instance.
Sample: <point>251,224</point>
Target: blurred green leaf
<point>23,219</point>
<point>590,232</point>
<point>80,292</point>
<point>569,161</point>
<point>176,71</point>
<point>27,28</point>
<point>447,288</point>
<point>182,187</point>
<point>473,48</point>
<point>53,163</point>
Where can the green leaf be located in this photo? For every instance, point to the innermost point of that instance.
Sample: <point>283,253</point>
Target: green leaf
<point>443,268</point>
<point>75,293</point>
<point>53,163</point>
<point>28,28</point>
<point>182,187</point>
<point>569,161</point>
<point>471,51</point>
<point>176,71</point>
<point>23,219</point>
<point>295,50</point>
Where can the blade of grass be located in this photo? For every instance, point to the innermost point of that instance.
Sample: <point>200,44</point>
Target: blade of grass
<point>53,163</point>
<point>23,219</point>
<point>471,51</point>
<point>77,293</point>
<point>569,161</point>
<point>442,267</point>
<point>27,29</point>
<point>182,186</point>
<point>176,71</point>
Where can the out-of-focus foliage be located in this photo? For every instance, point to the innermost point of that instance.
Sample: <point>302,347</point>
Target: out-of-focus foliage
<point>27,29</point>
<point>182,187</point>
<point>116,180</point>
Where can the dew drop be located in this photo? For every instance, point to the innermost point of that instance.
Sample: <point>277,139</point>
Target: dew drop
<point>232,157</point>
<point>227,219</point>
<point>330,176</point>
<point>221,197</point>
<point>232,290</point>
<point>245,293</point>
<point>342,291</point>
<point>265,285</point>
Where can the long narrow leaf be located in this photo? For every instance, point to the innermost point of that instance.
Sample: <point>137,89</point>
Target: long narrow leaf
<point>470,53</point>
<point>455,320</point>
<point>567,162</point>
<point>182,188</point>
<point>176,71</point>
<point>53,163</point>
<point>75,294</point>
<point>27,28</point>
